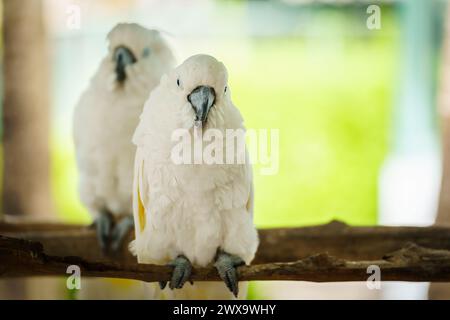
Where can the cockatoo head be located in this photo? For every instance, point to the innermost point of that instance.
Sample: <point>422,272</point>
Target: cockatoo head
<point>190,100</point>
<point>199,84</point>
<point>137,56</point>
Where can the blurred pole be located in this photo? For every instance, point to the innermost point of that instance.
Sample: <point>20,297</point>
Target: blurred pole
<point>442,290</point>
<point>26,179</point>
<point>410,177</point>
<point>26,165</point>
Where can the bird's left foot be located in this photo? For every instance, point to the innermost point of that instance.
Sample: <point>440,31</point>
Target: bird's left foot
<point>103,224</point>
<point>226,265</point>
<point>182,269</point>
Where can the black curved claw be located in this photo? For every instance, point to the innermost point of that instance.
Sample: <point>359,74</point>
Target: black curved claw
<point>181,273</point>
<point>162,284</point>
<point>103,224</point>
<point>226,265</point>
<point>120,232</point>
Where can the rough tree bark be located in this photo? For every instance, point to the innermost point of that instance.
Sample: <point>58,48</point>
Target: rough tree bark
<point>413,263</point>
<point>276,245</point>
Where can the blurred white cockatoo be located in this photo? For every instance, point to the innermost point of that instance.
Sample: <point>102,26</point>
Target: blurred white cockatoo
<point>104,121</point>
<point>192,214</point>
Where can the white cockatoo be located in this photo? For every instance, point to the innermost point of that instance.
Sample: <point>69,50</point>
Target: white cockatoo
<point>192,214</point>
<point>104,121</point>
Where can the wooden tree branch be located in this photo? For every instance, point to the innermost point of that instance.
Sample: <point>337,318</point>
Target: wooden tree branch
<point>276,245</point>
<point>413,263</point>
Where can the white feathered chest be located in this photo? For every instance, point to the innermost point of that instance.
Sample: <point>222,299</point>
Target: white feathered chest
<point>187,205</point>
<point>103,129</point>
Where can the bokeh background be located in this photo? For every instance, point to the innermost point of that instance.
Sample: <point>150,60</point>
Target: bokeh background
<point>356,107</point>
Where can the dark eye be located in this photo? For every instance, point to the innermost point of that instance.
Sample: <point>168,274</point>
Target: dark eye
<point>225,90</point>
<point>146,52</point>
<point>178,82</point>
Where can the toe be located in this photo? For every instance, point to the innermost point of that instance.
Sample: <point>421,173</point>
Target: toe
<point>120,232</point>
<point>162,284</point>
<point>103,225</point>
<point>226,265</point>
<point>176,278</point>
<point>232,282</point>
<point>181,272</point>
<point>229,276</point>
<point>185,277</point>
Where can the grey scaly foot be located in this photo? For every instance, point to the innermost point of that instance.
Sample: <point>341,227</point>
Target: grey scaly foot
<point>103,224</point>
<point>181,273</point>
<point>226,265</point>
<point>120,231</point>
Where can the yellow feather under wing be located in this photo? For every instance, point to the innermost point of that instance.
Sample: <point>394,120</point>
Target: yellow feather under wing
<point>141,210</point>
<point>138,202</point>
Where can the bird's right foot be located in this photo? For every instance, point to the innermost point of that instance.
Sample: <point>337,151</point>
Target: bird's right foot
<point>181,273</point>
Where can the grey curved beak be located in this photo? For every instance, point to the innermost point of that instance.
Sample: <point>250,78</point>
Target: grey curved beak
<point>202,99</point>
<point>123,57</point>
